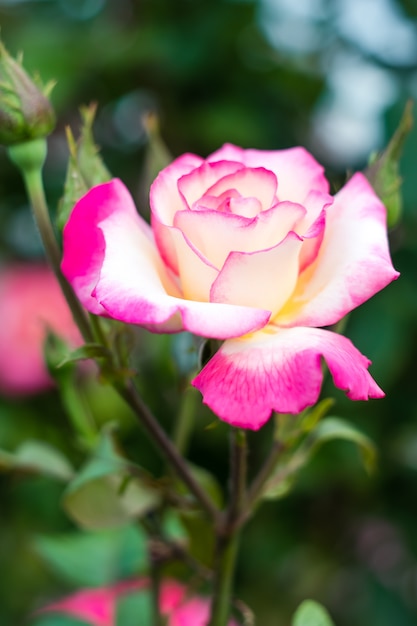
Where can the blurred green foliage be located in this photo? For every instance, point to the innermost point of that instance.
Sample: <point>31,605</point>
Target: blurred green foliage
<point>213,73</point>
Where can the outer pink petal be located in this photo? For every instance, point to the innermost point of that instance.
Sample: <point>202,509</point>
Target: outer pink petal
<point>165,200</point>
<point>353,261</point>
<point>262,279</point>
<point>116,270</point>
<point>296,169</point>
<point>217,234</point>
<point>280,370</point>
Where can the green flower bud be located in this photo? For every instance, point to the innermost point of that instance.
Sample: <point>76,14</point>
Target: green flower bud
<point>25,111</point>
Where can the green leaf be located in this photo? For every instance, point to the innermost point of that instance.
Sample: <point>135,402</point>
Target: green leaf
<point>200,532</point>
<point>173,527</point>
<point>61,365</point>
<point>93,559</point>
<point>85,167</point>
<point>135,609</point>
<point>383,170</point>
<point>157,154</point>
<point>39,458</point>
<point>107,503</point>
<point>201,536</point>
<point>208,482</point>
<point>88,351</point>
<point>104,494</point>
<point>90,163</point>
<point>335,428</point>
<point>289,428</point>
<point>328,429</point>
<point>311,613</point>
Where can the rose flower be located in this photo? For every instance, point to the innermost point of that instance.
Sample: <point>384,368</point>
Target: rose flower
<point>249,247</point>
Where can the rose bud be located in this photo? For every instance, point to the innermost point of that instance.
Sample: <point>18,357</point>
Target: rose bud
<point>25,111</point>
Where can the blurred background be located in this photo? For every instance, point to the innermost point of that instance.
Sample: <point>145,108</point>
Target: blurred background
<point>332,75</point>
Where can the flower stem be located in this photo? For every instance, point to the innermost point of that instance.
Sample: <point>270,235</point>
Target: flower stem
<point>29,157</point>
<point>228,535</point>
<point>130,394</point>
<point>238,471</point>
<point>227,549</point>
<point>155,576</point>
<point>256,488</point>
<point>185,419</point>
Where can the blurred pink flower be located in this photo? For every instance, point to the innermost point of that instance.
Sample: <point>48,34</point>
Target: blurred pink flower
<point>98,606</point>
<point>30,303</point>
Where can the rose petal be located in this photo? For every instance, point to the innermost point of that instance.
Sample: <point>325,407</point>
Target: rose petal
<point>297,171</point>
<point>247,207</point>
<point>250,183</point>
<point>353,261</point>
<point>216,234</point>
<point>165,200</point>
<point>126,279</point>
<point>280,370</point>
<point>200,180</point>
<point>165,197</point>
<point>196,273</point>
<point>262,279</point>
<point>313,239</point>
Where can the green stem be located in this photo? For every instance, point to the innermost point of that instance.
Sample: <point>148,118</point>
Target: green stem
<point>29,158</point>
<point>78,411</point>
<point>238,471</point>
<point>227,549</point>
<point>256,488</point>
<point>155,575</point>
<point>228,535</point>
<point>185,420</point>
<point>130,394</point>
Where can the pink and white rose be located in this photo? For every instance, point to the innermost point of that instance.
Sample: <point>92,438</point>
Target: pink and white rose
<point>248,247</point>
<point>98,607</point>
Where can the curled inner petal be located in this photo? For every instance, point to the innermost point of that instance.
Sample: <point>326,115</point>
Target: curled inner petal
<point>199,181</point>
<point>216,234</point>
<point>250,183</point>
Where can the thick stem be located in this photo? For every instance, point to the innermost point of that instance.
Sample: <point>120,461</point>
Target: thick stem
<point>29,158</point>
<point>166,447</point>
